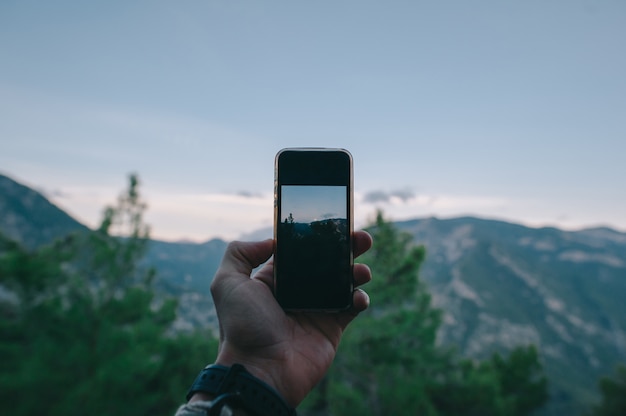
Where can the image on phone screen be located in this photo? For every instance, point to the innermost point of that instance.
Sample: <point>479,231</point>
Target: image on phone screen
<point>314,235</point>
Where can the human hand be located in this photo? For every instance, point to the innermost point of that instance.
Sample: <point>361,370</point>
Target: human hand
<point>289,351</point>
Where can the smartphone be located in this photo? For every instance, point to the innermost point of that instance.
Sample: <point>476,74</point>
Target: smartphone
<point>313,209</point>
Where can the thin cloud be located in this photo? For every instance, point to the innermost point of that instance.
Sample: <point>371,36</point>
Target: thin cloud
<point>403,195</point>
<point>248,194</point>
<point>53,193</point>
<point>376,196</point>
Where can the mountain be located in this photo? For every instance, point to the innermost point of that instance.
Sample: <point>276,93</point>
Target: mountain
<point>184,270</point>
<point>502,284</point>
<point>28,217</point>
<point>499,284</point>
<point>187,266</point>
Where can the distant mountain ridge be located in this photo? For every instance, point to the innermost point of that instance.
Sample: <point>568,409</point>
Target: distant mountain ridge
<point>503,284</point>
<point>28,217</point>
<point>499,284</point>
<point>184,269</point>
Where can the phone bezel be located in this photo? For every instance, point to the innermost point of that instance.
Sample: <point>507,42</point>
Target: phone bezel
<point>300,176</point>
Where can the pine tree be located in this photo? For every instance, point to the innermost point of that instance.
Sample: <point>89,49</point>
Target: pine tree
<point>82,331</point>
<point>389,361</point>
<point>389,356</point>
<point>613,391</point>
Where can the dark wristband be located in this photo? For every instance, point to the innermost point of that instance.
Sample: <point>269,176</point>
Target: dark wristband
<point>248,392</point>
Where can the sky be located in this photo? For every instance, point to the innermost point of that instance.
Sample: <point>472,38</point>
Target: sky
<point>313,203</point>
<point>512,110</point>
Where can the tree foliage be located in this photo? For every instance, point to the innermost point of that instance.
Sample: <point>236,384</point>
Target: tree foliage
<point>82,331</point>
<point>389,361</point>
<point>613,391</point>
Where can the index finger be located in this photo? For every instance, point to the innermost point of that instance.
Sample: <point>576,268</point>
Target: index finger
<point>361,241</point>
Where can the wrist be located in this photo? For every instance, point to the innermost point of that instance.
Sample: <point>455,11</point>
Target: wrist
<point>266,370</point>
<point>207,401</point>
<point>208,398</point>
<point>237,388</point>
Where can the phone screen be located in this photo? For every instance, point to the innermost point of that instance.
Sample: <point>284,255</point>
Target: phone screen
<point>313,260</point>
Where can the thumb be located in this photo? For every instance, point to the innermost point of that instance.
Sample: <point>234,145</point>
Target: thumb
<point>241,258</point>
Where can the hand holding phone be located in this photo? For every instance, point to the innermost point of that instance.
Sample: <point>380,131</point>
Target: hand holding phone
<point>313,229</point>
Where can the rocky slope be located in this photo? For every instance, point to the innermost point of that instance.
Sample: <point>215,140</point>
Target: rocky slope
<point>502,285</point>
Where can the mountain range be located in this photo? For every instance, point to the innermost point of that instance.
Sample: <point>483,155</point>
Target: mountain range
<point>499,285</point>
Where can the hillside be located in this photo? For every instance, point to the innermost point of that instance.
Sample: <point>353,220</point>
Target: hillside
<point>499,284</point>
<point>503,284</point>
<point>184,270</point>
<point>28,217</point>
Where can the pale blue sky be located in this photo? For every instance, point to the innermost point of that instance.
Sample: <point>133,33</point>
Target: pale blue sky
<point>313,203</point>
<point>503,109</point>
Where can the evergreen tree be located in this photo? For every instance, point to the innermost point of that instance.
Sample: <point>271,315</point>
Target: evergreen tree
<point>389,357</point>
<point>511,386</point>
<point>521,380</point>
<point>389,361</point>
<point>82,331</point>
<point>613,391</point>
